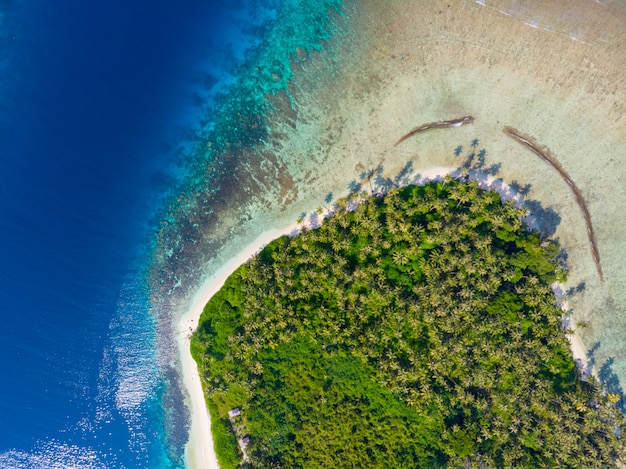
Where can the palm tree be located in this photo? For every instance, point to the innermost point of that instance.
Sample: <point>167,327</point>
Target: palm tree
<point>399,258</point>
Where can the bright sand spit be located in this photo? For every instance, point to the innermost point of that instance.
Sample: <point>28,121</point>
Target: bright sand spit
<point>552,69</point>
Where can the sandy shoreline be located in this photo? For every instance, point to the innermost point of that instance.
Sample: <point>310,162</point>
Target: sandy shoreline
<point>579,354</point>
<point>576,345</point>
<point>199,451</point>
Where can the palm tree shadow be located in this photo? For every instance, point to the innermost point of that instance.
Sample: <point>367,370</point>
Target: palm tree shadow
<point>591,354</point>
<point>547,219</point>
<point>607,377</point>
<point>381,183</point>
<point>521,190</point>
<point>580,288</point>
<point>611,383</point>
<point>404,176</point>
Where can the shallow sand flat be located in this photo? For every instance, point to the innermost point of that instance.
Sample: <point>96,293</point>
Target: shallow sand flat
<point>552,70</point>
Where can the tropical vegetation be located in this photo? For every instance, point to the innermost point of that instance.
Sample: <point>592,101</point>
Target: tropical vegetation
<point>414,329</point>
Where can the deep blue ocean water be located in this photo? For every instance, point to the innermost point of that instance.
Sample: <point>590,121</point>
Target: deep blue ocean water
<point>94,97</point>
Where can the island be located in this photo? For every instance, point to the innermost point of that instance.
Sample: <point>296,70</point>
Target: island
<point>414,328</point>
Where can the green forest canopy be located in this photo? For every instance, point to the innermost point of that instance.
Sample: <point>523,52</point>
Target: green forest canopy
<point>418,330</point>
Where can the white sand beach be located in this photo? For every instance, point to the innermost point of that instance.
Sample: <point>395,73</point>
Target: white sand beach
<point>199,452</point>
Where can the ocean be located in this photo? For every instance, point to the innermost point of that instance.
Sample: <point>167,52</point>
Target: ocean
<point>145,144</point>
<point>96,100</point>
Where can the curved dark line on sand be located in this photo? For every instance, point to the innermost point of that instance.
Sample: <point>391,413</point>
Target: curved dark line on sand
<point>436,125</point>
<point>548,158</point>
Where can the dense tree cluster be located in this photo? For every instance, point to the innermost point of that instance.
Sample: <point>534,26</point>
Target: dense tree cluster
<point>417,330</point>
